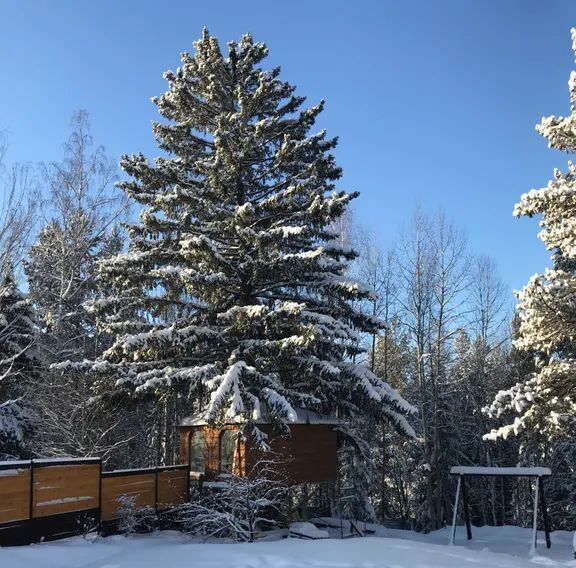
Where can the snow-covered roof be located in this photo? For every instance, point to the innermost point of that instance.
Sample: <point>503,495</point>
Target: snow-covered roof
<point>522,471</point>
<point>303,416</point>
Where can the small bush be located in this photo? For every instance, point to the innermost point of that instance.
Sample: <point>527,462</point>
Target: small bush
<point>133,519</point>
<point>238,507</point>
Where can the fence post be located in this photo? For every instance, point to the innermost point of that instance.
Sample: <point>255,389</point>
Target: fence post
<point>31,508</point>
<point>156,489</point>
<point>100,495</point>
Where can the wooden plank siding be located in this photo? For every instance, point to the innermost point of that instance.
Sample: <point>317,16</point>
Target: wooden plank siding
<point>45,499</point>
<point>14,494</point>
<point>141,484</point>
<point>172,488</point>
<point>158,488</point>
<point>65,488</point>
<point>308,455</point>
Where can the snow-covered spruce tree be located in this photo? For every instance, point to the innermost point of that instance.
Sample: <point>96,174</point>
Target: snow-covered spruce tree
<point>18,363</point>
<point>546,401</point>
<point>236,280</point>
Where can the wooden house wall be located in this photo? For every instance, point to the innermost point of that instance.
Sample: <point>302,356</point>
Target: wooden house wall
<point>309,454</point>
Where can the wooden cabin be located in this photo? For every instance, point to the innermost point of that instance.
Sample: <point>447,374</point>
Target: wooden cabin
<point>308,454</point>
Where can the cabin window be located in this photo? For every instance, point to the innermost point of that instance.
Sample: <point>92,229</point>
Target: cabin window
<point>227,446</point>
<point>198,452</point>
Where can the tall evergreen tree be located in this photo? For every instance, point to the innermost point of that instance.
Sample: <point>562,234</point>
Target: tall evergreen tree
<point>234,287</point>
<point>545,401</point>
<point>18,362</point>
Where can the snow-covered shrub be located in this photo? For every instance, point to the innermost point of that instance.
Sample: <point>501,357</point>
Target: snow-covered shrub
<point>237,507</point>
<point>87,523</point>
<point>306,530</point>
<point>132,519</point>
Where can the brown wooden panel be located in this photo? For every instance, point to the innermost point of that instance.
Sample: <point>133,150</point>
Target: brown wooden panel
<point>142,485</point>
<point>65,488</point>
<point>184,445</point>
<point>172,488</point>
<point>14,495</point>
<point>313,452</point>
<point>309,455</point>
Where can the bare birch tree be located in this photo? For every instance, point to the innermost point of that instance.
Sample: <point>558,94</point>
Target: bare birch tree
<point>18,200</point>
<point>433,272</point>
<point>81,210</point>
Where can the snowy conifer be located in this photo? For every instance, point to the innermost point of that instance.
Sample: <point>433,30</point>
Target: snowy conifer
<point>234,287</point>
<point>546,400</point>
<point>17,365</point>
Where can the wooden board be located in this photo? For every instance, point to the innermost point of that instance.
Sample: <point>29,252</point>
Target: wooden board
<point>312,453</point>
<point>309,455</point>
<point>65,488</point>
<point>14,494</point>
<point>172,488</point>
<point>142,485</point>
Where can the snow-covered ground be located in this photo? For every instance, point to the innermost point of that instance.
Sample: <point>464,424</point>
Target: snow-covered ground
<point>506,547</point>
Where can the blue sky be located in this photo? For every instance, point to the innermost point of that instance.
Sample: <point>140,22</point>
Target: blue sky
<point>434,102</point>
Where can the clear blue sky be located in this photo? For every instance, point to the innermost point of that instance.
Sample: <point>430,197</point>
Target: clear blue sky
<point>434,101</point>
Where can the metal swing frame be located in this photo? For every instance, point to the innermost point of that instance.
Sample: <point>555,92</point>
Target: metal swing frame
<point>538,473</point>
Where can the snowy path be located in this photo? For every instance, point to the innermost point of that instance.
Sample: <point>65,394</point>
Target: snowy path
<point>172,550</point>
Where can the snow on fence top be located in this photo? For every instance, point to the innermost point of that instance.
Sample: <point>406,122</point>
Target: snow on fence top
<point>56,461</point>
<point>14,463</point>
<point>145,470</point>
<point>303,416</point>
<point>518,471</point>
<point>46,461</point>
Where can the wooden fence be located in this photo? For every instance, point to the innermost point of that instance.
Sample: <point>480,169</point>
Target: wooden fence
<point>159,488</point>
<point>48,499</point>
